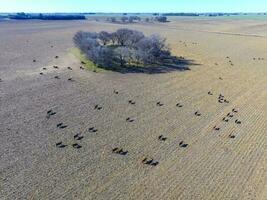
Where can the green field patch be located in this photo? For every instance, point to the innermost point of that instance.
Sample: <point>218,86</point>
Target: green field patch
<point>89,65</point>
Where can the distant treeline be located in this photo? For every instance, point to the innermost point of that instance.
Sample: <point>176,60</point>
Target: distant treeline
<point>23,16</point>
<point>181,14</point>
<point>199,14</point>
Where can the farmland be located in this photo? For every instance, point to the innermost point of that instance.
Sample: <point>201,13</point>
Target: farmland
<point>217,108</point>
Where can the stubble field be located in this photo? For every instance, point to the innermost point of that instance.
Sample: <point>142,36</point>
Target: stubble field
<point>223,149</point>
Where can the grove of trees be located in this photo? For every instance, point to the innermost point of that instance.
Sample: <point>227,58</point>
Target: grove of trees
<point>135,19</point>
<point>122,48</point>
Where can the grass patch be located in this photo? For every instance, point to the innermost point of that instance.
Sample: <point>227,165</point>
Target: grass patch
<point>89,65</point>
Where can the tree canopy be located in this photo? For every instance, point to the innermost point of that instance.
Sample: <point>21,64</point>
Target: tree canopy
<point>123,47</point>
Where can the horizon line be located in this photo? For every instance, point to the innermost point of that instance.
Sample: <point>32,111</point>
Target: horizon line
<point>237,12</point>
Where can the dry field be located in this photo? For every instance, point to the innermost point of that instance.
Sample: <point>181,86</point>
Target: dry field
<point>218,159</point>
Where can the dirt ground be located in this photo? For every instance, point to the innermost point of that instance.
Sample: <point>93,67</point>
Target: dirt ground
<point>218,159</point>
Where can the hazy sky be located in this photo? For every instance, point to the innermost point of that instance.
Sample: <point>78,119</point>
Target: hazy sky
<point>133,5</point>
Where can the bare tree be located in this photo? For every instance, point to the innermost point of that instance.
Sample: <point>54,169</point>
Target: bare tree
<point>113,19</point>
<point>154,49</point>
<point>85,40</point>
<point>161,19</point>
<point>123,54</point>
<point>104,37</point>
<point>131,19</point>
<point>113,37</point>
<point>134,18</point>
<point>147,19</point>
<point>78,38</point>
<point>122,35</point>
<point>124,19</point>
<point>100,55</point>
<point>133,38</point>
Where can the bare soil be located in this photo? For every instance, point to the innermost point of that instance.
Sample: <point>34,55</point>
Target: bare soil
<point>209,150</point>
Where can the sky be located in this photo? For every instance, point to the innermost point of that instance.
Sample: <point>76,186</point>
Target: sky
<point>133,6</point>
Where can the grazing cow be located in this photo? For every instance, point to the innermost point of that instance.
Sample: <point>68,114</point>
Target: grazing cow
<point>59,125</point>
<point>97,107</point>
<point>76,146</point>
<point>225,119</point>
<point>237,122</point>
<point>150,162</point>
<point>182,144</point>
<point>159,103</point>
<point>60,145</point>
<point>197,113</point>
<point>162,138</point>
<point>226,101</point>
<point>129,119</point>
<point>92,130</point>
<point>119,151</point>
<point>131,102</point>
<point>232,136</point>
<point>179,105</point>
<point>144,160</point>
<point>49,113</point>
<point>78,137</point>
<point>234,110</point>
<point>155,163</point>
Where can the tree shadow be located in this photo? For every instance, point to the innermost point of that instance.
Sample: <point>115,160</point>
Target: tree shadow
<point>166,66</point>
